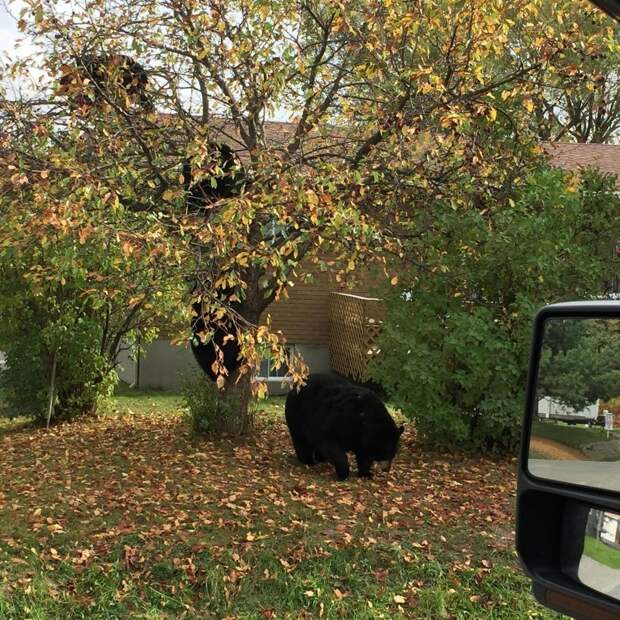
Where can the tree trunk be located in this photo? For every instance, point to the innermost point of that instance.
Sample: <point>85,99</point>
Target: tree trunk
<point>238,386</point>
<point>50,404</point>
<point>238,392</point>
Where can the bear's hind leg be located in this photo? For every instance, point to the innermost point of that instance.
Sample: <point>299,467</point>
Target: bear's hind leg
<point>318,457</point>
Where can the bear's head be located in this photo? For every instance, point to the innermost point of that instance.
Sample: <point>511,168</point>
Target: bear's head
<point>381,434</point>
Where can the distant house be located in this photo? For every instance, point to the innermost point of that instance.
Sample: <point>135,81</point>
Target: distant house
<point>332,328</point>
<point>569,156</point>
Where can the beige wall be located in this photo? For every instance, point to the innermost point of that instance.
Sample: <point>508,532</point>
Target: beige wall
<point>304,316</point>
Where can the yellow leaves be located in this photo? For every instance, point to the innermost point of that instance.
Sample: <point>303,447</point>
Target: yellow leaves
<point>425,88</point>
<point>394,280</point>
<point>134,301</point>
<point>127,248</point>
<point>492,113</point>
<point>528,104</point>
<point>241,259</point>
<point>312,198</point>
<point>260,390</point>
<point>399,599</point>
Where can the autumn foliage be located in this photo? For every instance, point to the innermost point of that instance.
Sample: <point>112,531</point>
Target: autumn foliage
<point>393,105</point>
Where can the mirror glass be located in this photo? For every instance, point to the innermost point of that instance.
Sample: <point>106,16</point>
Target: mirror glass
<point>575,434</point>
<point>599,564</point>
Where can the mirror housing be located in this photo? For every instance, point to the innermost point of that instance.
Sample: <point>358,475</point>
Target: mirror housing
<point>553,516</point>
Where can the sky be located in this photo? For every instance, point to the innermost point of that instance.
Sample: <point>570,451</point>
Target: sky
<point>8,28</point>
<point>13,45</point>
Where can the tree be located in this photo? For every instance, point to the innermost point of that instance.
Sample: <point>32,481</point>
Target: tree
<point>456,339</point>
<point>581,102</point>
<point>579,362</point>
<point>396,106</point>
<point>79,280</point>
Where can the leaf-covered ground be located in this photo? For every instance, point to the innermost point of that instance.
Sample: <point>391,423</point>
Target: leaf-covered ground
<point>130,516</point>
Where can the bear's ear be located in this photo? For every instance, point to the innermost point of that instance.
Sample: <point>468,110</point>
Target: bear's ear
<point>401,429</point>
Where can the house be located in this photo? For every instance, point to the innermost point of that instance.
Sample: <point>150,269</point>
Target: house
<point>604,526</point>
<point>309,319</point>
<point>332,328</point>
<point>569,156</point>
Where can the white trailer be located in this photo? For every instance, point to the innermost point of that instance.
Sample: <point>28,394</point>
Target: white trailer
<point>551,409</point>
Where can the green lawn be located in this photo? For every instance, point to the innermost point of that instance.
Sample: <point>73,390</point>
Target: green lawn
<point>129,516</point>
<point>569,434</point>
<point>601,552</point>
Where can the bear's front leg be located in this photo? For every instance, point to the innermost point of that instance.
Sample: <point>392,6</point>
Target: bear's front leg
<point>363,466</point>
<point>338,458</point>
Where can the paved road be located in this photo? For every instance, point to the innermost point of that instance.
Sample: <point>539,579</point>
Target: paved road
<point>599,577</point>
<point>604,475</point>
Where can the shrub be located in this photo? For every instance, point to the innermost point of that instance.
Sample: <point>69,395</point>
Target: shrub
<point>83,378</point>
<point>210,411</point>
<point>454,349</point>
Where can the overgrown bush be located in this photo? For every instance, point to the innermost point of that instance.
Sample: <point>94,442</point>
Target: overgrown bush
<point>49,344</point>
<point>77,281</point>
<point>454,349</point>
<point>209,410</point>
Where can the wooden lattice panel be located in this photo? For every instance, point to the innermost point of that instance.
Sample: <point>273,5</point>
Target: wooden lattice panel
<point>354,323</point>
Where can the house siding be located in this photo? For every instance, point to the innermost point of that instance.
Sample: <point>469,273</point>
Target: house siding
<point>303,318</point>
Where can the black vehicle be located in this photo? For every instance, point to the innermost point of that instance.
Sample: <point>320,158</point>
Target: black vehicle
<point>568,506</point>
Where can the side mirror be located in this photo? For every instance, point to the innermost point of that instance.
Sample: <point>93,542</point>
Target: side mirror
<point>568,495</point>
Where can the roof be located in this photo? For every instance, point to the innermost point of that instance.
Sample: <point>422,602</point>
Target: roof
<point>605,157</point>
<point>565,155</point>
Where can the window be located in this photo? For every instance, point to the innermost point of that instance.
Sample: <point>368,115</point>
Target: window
<point>267,370</point>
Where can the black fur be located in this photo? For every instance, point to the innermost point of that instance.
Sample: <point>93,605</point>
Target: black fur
<point>101,71</point>
<point>206,352</point>
<point>200,195</point>
<point>330,417</point>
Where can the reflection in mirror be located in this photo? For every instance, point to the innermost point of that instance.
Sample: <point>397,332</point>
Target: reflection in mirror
<point>599,566</point>
<point>575,433</point>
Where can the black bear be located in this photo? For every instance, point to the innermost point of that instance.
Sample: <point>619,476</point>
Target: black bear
<point>225,182</point>
<point>222,346</point>
<point>228,183</point>
<point>96,76</point>
<point>329,417</point>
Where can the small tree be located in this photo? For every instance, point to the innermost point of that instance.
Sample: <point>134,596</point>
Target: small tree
<point>80,277</point>
<point>579,361</point>
<point>455,344</point>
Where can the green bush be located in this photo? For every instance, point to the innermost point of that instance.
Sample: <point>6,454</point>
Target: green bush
<point>455,343</point>
<point>83,378</point>
<point>210,411</point>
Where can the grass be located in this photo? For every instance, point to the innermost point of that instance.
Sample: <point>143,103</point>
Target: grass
<point>599,551</point>
<point>130,516</point>
<point>568,435</point>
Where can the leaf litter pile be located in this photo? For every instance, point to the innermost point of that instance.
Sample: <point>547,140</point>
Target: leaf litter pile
<point>133,516</point>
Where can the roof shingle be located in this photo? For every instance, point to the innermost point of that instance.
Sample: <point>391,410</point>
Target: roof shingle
<point>605,157</point>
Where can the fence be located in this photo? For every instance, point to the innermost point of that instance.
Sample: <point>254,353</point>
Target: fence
<point>354,323</point>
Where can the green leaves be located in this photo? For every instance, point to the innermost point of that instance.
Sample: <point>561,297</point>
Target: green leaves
<point>454,349</point>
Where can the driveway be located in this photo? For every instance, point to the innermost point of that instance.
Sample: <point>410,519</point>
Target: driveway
<point>605,475</point>
<point>599,577</point>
